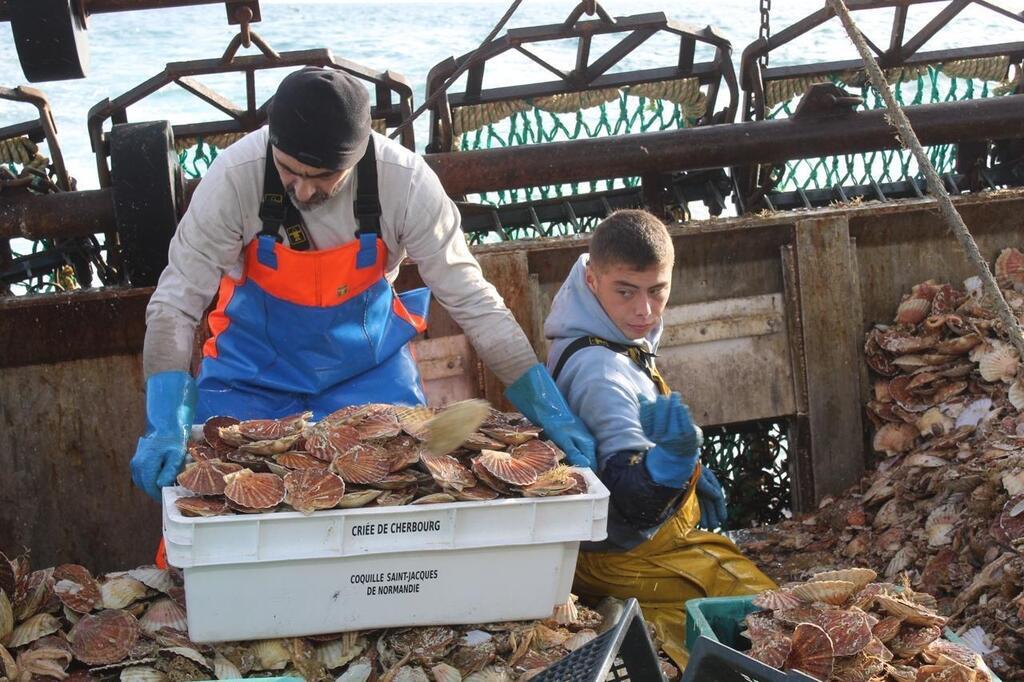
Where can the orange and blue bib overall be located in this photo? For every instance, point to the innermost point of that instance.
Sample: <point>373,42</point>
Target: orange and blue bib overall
<point>311,330</point>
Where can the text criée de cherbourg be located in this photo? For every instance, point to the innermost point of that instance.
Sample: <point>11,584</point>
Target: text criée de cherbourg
<point>394,582</point>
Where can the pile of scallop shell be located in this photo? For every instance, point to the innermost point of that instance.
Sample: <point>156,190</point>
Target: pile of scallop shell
<point>945,504</point>
<point>64,624</point>
<point>843,626</point>
<point>372,454</point>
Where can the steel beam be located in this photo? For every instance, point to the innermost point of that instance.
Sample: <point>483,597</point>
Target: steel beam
<point>718,146</point>
<point>105,6</point>
<point>721,146</point>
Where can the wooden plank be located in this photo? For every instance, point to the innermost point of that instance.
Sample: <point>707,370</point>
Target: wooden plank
<point>801,469</point>
<point>509,272</point>
<point>69,432</point>
<point>738,369</point>
<point>832,337</point>
<point>448,368</point>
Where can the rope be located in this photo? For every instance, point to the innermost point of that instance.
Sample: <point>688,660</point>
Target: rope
<point>22,151</point>
<point>986,69</point>
<point>908,138</point>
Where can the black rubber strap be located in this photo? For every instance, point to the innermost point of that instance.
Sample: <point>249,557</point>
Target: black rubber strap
<point>367,202</point>
<point>641,358</point>
<point>277,209</point>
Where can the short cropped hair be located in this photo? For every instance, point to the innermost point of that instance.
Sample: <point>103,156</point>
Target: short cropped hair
<point>632,237</point>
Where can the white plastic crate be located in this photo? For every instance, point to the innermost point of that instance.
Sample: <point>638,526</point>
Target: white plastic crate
<point>256,576</point>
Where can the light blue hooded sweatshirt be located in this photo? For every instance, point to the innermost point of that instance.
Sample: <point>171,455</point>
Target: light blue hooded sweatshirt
<point>603,387</point>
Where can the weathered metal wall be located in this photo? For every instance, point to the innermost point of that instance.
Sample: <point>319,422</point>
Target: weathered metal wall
<point>765,320</point>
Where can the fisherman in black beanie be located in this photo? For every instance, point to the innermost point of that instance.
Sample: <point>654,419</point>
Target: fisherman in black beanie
<point>304,224</point>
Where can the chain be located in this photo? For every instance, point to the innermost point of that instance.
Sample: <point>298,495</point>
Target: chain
<point>766,28</point>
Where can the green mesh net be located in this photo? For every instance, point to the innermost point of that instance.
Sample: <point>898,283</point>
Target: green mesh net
<point>931,85</point>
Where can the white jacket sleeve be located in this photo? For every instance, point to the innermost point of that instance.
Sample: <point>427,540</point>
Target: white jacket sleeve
<point>432,235</point>
<point>205,246</point>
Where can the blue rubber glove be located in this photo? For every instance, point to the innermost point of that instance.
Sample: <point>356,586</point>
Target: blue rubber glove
<point>170,404</point>
<point>711,497</point>
<point>667,422</point>
<point>537,397</point>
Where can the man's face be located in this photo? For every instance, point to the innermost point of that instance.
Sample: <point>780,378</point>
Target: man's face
<point>633,299</point>
<point>307,186</point>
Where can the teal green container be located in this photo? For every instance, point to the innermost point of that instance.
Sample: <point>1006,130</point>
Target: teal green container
<point>721,619</point>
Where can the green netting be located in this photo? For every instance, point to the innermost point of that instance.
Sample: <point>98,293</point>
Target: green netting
<point>195,160</point>
<point>623,115</point>
<point>882,166</point>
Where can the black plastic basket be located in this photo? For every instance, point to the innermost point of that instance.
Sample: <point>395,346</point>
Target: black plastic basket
<point>623,653</point>
<point>712,661</point>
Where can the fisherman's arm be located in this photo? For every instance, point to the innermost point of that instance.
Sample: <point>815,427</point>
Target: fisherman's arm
<point>206,243</point>
<point>432,235</point>
<point>610,409</point>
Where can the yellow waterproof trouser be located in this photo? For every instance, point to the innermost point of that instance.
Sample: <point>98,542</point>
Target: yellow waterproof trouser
<point>677,564</point>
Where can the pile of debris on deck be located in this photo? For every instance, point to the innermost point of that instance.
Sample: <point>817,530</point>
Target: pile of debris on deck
<point>945,504</point>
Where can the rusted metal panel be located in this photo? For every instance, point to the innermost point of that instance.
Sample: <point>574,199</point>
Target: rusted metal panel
<point>729,358</point>
<point>801,465</point>
<point>832,341</point>
<point>50,328</point>
<point>66,491</point>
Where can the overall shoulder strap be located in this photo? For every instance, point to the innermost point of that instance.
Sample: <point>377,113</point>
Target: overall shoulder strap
<point>641,358</point>
<point>367,202</point>
<point>277,210</point>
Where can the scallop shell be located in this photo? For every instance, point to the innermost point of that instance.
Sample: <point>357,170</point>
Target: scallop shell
<point>396,498</point>
<point>805,613</point>
<point>924,461</point>
<point>1000,365</point>
<point>207,478</point>
<point>512,435</point>
<point>913,310</point>
<point>1011,520</point>
<point>211,432</point>
<point>540,455</point>
<point>579,638</point>
<point>450,428</point>
<point>37,594</point>
<point>1009,269</point>
<point>104,638</point>
<point>567,612</point>
<point>772,649</point>
<point>255,491</point>
<point>142,673</point>
<point>887,628</point>
<point>557,481</point>
<point>903,557</point>
<point>44,662</point>
<point>848,629</point>
<point>201,506</point>
<point>910,641</point>
<point>447,471</point>
<point>940,524</point>
<point>6,616</point>
<point>358,498</point>
<point>271,654</point>
<point>434,498</point>
<point>249,460</point>
<point>414,421</point>
<point>379,423</point>
<point>224,669</point>
<point>895,438</point>
<point>934,423</point>
<point>271,447</point>
<point>122,591</point>
<point>402,452</point>
<point>487,478</point>
<point>811,652</point>
<point>860,577</point>
<point>1016,394</point>
<point>478,493</point>
<point>362,464</point>
<point>327,440</point>
<point>399,479</point>
<point>478,442</point>
<point>160,579</point>
<point>201,452</point>
<point>913,614</point>
<point>337,653</point>
<point>900,390</point>
<point>299,460</point>
<point>958,345</point>
<point>443,672</point>
<point>505,467</point>
<point>358,671</point>
<point>776,599</point>
<point>76,588</point>
<point>31,629</point>
<point>835,592</point>
<point>163,613</point>
<point>307,490</point>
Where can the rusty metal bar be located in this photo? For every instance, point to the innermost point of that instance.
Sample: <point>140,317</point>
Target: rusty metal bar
<point>54,216</point>
<point>106,6</point>
<point>720,146</point>
<point>934,26</point>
